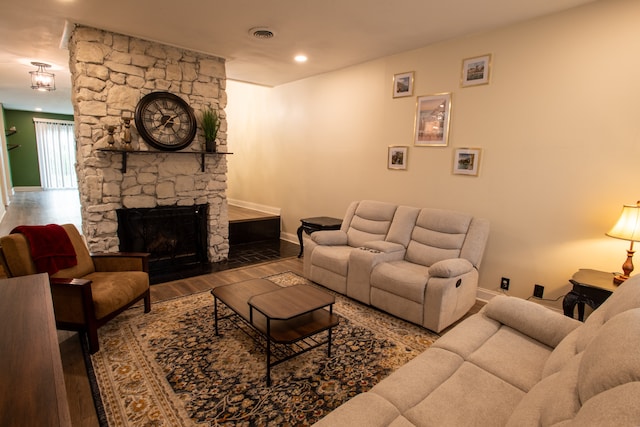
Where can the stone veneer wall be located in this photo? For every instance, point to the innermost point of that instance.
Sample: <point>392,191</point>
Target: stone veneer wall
<point>110,73</point>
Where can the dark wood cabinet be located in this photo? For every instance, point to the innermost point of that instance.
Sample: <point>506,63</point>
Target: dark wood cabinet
<point>32,390</point>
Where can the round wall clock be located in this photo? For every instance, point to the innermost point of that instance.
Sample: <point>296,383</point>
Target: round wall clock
<point>165,121</point>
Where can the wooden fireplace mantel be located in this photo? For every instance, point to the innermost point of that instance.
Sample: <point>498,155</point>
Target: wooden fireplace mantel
<point>125,153</point>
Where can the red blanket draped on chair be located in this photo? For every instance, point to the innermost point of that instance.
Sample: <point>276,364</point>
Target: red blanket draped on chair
<point>51,248</point>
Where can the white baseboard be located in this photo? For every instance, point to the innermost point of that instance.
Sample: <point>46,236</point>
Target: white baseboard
<point>24,189</point>
<point>254,206</point>
<point>485,295</point>
<point>289,237</point>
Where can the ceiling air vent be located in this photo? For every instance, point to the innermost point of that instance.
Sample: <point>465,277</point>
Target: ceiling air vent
<point>261,33</point>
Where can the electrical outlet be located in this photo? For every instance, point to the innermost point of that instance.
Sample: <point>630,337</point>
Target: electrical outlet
<point>538,291</point>
<point>504,283</point>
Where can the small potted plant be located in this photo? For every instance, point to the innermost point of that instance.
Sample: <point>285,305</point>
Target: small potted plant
<point>210,124</point>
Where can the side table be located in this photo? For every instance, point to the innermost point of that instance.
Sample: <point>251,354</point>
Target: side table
<point>591,287</point>
<point>318,223</point>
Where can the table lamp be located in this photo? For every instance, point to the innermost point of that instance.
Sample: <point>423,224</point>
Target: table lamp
<point>627,228</point>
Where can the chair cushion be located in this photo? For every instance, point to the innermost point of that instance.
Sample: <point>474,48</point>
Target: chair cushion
<point>85,263</point>
<point>17,255</point>
<point>401,278</point>
<point>112,291</point>
<point>371,221</point>
<point>50,247</point>
<point>612,358</point>
<point>437,235</point>
<point>332,258</point>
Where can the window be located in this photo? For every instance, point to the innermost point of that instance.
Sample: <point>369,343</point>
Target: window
<point>56,153</point>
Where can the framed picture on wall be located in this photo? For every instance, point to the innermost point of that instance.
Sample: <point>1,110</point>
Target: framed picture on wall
<point>403,84</point>
<point>466,161</point>
<point>475,71</point>
<point>432,120</point>
<point>397,157</point>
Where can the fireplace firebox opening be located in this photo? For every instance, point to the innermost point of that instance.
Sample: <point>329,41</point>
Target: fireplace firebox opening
<point>175,236</point>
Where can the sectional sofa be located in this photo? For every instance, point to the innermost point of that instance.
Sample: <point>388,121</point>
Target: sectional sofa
<point>419,264</point>
<point>516,363</point>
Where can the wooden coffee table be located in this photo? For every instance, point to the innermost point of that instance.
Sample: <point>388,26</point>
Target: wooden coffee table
<point>288,318</point>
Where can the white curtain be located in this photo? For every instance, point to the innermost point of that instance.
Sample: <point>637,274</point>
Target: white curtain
<point>56,153</point>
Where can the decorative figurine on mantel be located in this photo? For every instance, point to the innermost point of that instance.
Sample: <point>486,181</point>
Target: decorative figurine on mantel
<point>210,124</point>
<point>126,116</point>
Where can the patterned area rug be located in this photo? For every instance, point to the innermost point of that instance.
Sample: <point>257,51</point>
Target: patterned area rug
<point>168,368</point>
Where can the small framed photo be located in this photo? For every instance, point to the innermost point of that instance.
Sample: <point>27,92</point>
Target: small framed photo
<point>403,84</point>
<point>432,120</point>
<point>397,158</point>
<point>475,71</point>
<point>466,161</point>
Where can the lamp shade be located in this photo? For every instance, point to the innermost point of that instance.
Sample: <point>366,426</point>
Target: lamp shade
<point>628,225</point>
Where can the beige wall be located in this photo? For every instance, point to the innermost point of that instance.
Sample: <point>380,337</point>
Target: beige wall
<point>558,125</point>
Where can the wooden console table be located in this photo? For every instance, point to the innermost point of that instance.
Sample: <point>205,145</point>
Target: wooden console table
<point>32,390</point>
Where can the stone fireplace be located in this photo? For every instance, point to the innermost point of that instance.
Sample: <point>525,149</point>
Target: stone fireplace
<point>110,73</point>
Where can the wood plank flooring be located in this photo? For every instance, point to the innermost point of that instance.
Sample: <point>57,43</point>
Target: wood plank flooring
<point>63,207</point>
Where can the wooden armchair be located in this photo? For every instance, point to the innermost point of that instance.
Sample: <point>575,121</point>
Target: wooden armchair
<point>89,294</point>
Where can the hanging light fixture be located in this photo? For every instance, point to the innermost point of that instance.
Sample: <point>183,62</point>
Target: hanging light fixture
<point>41,79</point>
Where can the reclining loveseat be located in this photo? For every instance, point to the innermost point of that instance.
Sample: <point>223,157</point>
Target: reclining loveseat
<point>419,264</point>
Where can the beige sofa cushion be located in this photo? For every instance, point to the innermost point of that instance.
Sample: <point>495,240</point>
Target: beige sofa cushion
<point>613,357</point>
<point>471,396</point>
<point>371,221</point>
<point>332,258</point>
<point>437,235</point>
<point>605,372</point>
<point>551,401</point>
<point>401,278</point>
<point>626,297</point>
<point>414,381</point>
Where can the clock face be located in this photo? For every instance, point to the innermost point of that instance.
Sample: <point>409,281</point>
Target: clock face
<point>165,121</point>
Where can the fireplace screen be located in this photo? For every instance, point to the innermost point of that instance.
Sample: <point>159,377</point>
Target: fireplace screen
<point>175,236</point>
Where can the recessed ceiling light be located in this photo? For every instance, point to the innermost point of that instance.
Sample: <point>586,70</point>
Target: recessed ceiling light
<point>301,58</point>
<point>38,109</point>
<point>262,33</point>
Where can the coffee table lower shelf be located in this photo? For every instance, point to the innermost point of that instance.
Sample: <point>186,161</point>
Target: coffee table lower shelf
<point>286,331</point>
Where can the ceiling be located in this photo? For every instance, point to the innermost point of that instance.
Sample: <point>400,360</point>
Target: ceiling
<point>333,34</point>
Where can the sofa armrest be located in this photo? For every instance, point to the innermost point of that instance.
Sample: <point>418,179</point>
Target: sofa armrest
<point>450,268</point>
<point>538,322</point>
<point>121,261</point>
<point>62,282</point>
<point>330,237</point>
<point>72,300</point>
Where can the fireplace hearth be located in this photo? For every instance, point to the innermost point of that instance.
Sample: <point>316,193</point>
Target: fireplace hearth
<point>175,236</point>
